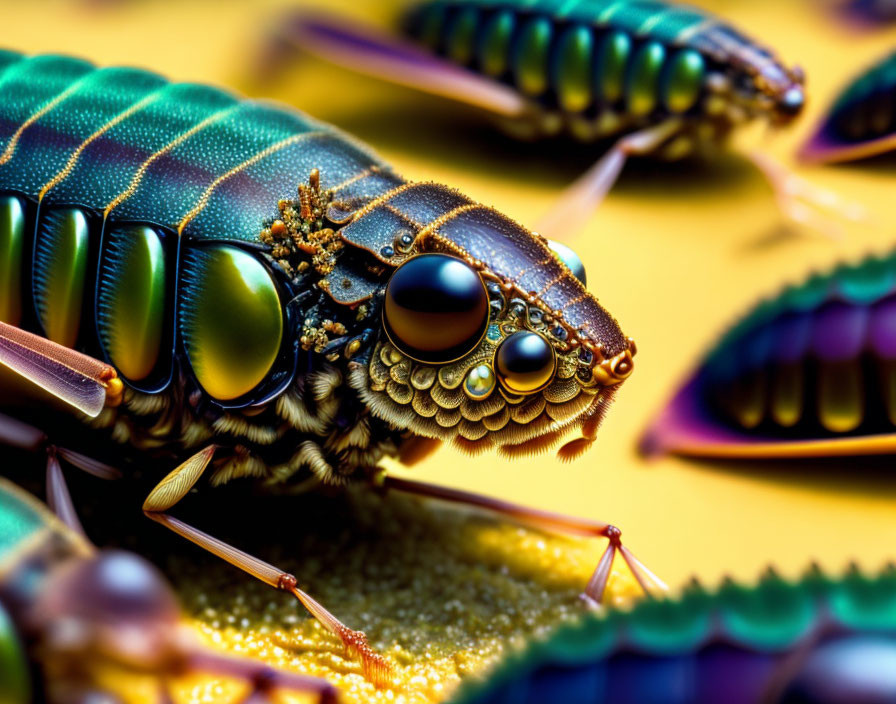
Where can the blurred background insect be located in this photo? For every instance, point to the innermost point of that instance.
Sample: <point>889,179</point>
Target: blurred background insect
<point>819,640</point>
<point>294,336</point>
<point>661,79</point>
<point>862,120</point>
<point>809,372</point>
<point>866,12</point>
<point>81,619</point>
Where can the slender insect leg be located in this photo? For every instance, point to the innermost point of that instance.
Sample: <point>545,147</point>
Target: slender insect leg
<point>15,433</point>
<point>59,499</point>
<point>581,198</point>
<point>594,591</point>
<point>803,203</point>
<point>176,485</point>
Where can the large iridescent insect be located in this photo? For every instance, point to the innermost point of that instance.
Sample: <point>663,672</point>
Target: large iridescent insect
<point>862,120</point>
<point>296,337</point>
<point>661,79</point>
<point>808,372</point>
<point>816,641</point>
<point>83,614</point>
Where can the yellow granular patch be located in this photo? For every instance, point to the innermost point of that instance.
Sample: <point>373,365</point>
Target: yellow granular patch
<point>441,592</point>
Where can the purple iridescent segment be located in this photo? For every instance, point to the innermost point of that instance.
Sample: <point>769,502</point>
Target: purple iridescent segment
<point>861,122</point>
<point>882,329</point>
<point>792,335</point>
<point>868,12</point>
<point>810,372</point>
<point>841,671</point>
<point>839,331</point>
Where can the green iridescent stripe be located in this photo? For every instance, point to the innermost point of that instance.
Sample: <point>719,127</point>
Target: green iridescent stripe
<point>60,266</point>
<point>12,237</point>
<point>573,64</point>
<point>531,56</point>
<point>461,41</point>
<point>131,296</point>
<point>611,66</point>
<point>643,80</point>
<point>231,320</point>
<point>494,46</point>
<point>683,80</point>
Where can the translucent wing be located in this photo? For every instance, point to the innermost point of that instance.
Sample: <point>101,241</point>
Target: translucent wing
<point>77,379</point>
<point>391,59</point>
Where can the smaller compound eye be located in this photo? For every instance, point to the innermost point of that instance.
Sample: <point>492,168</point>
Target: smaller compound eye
<point>525,363</point>
<point>572,260</point>
<point>436,308</point>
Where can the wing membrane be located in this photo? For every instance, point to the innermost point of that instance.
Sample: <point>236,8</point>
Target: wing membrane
<point>77,379</point>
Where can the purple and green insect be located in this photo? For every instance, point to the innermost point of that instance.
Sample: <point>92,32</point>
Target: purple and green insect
<point>163,275</point>
<point>810,372</point>
<point>862,121</point>
<point>76,611</point>
<point>656,78</point>
<point>815,641</point>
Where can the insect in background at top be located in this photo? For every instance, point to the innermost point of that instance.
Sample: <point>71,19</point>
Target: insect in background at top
<point>163,274</point>
<point>73,618</point>
<point>662,79</point>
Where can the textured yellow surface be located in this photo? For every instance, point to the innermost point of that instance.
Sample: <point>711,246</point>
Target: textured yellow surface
<point>440,593</point>
<point>676,253</point>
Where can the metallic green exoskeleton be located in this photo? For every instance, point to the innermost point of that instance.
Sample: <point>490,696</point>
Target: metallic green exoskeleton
<point>158,227</point>
<point>165,276</point>
<point>648,77</point>
<point>599,68</point>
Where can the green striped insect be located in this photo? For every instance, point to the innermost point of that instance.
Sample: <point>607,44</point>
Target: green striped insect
<point>658,78</point>
<point>165,276</point>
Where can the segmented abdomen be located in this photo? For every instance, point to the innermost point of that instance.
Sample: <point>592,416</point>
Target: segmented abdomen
<point>818,640</point>
<point>630,59</point>
<point>130,210</point>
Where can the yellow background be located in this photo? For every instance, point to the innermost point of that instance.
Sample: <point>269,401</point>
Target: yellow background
<point>675,253</point>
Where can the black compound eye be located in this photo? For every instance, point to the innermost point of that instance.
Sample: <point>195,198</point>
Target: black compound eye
<point>436,308</point>
<point>525,363</point>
